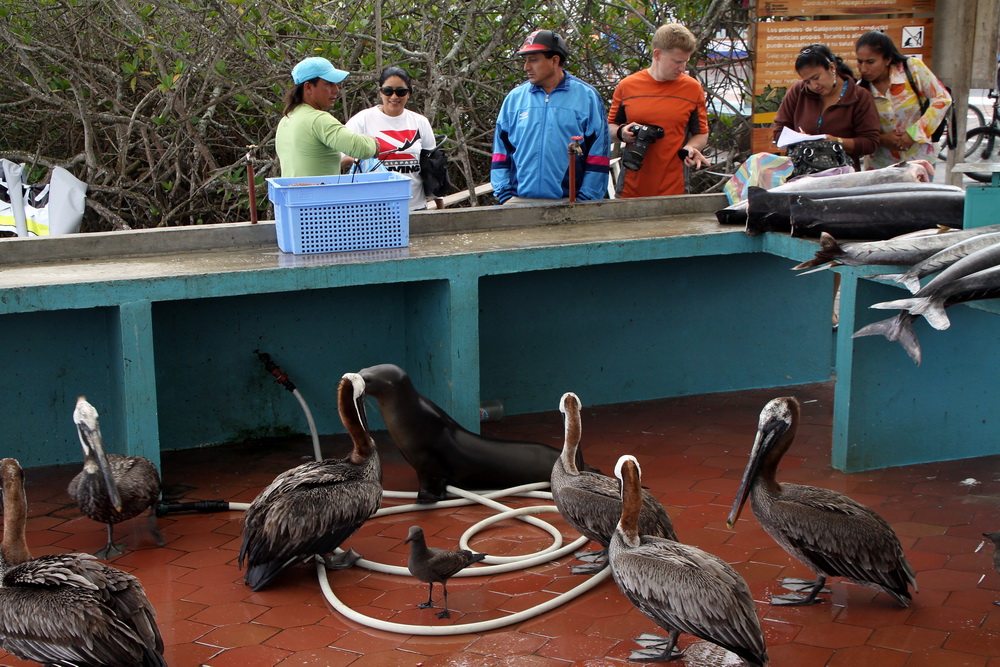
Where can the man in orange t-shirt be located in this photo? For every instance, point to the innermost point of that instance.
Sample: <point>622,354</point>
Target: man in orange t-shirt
<point>662,95</point>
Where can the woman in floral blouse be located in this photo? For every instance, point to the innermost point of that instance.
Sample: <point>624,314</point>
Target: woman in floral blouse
<point>908,112</point>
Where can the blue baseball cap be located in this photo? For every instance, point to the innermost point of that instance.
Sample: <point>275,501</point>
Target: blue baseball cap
<point>310,68</point>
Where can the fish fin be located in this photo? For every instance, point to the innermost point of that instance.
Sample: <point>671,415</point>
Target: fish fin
<point>908,281</point>
<point>935,314</point>
<point>898,328</point>
<point>911,305</point>
<point>932,310</point>
<point>824,267</point>
<point>828,251</point>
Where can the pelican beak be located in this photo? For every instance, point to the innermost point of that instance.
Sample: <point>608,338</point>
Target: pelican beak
<point>90,437</point>
<point>359,404</point>
<point>760,445</point>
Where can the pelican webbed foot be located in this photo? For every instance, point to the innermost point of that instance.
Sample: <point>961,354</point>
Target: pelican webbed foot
<point>799,586</point>
<point>592,556</point>
<point>656,648</point>
<point>589,568</point>
<point>595,561</point>
<point>425,605</point>
<point>802,585</point>
<point>443,614</point>
<point>111,550</point>
<point>341,561</point>
<point>154,528</point>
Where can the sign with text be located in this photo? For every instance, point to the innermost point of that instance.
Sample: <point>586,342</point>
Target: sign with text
<point>779,42</point>
<point>843,8</point>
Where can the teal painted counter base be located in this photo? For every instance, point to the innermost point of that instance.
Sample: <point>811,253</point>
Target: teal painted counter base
<point>616,301</point>
<point>889,411</point>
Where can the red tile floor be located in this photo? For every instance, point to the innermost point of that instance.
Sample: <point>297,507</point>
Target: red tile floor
<point>693,451</point>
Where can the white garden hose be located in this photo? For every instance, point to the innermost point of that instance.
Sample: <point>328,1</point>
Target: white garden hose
<point>498,565</point>
<point>495,564</point>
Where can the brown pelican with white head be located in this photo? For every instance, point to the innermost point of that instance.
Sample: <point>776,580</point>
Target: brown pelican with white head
<point>68,609</point>
<point>830,533</point>
<point>591,502</point>
<point>311,509</point>
<point>430,565</point>
<point>680,587</point>
<point>112,488</point>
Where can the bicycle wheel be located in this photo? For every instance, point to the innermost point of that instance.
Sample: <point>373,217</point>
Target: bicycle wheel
<point>987,150</point>
<point>974,119</point>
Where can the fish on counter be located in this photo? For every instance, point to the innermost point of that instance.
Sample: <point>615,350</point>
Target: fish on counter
<point>770,210</point>
<point>918,171</point>
<point>112,488</point>
<point>900,251</point>
<point>311,509</point>
<point>591,502</point>
<point>977,286</point>
<point>877,216</point>
<point>432,565</point>
<point>679,587</point>
<point>828,532</point>
<point>940,261</point>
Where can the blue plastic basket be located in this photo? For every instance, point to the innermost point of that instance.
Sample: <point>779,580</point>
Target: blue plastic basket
<point>336,213</point>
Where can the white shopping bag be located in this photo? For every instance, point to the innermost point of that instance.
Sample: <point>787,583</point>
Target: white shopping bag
<point>40,210</point>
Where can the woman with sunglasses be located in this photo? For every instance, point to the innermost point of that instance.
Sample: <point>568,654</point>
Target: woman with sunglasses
<point>827,101</point>
<point>401,133</point>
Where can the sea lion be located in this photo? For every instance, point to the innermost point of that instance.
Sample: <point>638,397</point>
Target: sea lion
<point>442,451</point>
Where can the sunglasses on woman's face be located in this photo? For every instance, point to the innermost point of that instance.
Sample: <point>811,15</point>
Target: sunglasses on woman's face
<point>389,92</point>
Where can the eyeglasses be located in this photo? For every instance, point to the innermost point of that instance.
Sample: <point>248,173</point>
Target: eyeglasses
<point>389,92</point>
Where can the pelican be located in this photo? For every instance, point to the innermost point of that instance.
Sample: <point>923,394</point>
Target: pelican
<point>591,502</point>
<point>68,609</point>
<point>430,565</point>
<point>995,539</point>
<point>827,531</point>
<point>111,488</point>
<point>680,587</point>
<point>312,508</point>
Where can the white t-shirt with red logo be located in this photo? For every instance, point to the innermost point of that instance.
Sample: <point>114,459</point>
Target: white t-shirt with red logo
<point>408,129</point>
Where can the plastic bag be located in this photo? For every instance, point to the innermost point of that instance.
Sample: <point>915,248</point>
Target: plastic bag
<point>764,170</point>
<point>48,209</point>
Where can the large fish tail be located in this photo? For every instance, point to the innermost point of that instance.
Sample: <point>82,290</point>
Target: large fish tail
<point>829,251</point>
<point>907,280</point>
<point>898,328</point>
<point>932,309</point>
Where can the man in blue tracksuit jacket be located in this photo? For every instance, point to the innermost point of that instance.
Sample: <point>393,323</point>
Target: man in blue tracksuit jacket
<point>536,123</point>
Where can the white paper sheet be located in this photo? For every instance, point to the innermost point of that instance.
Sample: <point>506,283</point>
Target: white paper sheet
<point>789,136</point>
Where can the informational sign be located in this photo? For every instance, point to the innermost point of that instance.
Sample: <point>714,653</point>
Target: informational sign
<point>779,42</point>
<point>843,8</point>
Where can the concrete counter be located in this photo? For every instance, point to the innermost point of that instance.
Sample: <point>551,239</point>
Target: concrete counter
<point>617,301</point>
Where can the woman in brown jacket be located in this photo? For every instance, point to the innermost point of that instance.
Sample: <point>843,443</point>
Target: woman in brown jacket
<point>828,101</point>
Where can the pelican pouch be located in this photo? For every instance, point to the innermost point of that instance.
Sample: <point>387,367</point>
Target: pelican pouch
<point>809,157</point>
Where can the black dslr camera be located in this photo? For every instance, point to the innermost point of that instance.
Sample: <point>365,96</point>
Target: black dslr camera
<point>635,153</point>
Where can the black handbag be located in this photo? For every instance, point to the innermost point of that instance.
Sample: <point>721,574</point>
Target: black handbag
<point>809,157</point>
<point>434,173</point>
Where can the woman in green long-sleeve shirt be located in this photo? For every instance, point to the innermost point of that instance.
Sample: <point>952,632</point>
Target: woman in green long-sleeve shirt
<point>309,140</point>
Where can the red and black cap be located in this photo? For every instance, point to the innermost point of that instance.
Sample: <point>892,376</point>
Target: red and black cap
<point>544,41</point>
